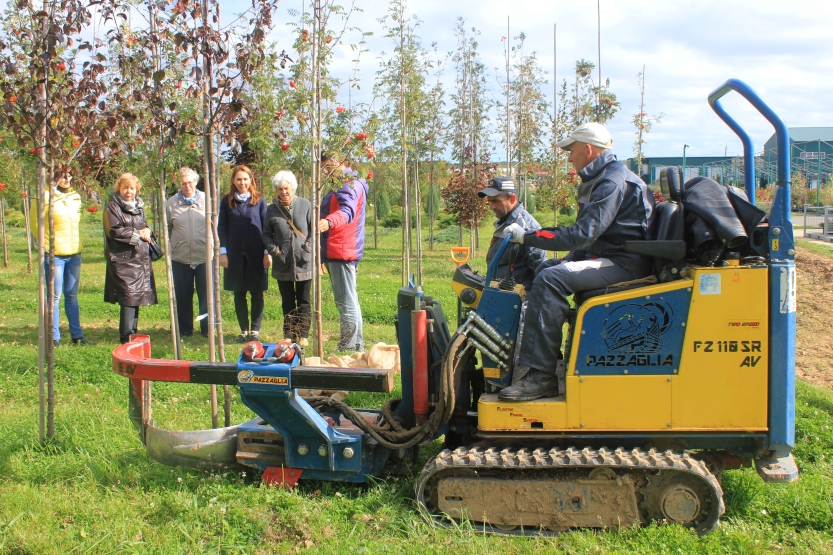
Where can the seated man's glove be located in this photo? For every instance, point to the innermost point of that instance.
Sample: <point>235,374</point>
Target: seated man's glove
<point>517,233</point>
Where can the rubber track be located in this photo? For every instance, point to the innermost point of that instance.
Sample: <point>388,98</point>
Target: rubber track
<point>564,459</point>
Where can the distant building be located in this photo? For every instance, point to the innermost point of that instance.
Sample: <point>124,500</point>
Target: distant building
<point>811,153</point>
<point>710,166</point>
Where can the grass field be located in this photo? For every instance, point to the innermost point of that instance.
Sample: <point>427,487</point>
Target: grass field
<point>94,490</point>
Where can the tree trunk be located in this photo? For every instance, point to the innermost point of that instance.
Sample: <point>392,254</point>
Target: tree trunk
<point>206,144</point>
<point>26,209</point>
<point>169,273</point>
<point>215,265</point>
<point>318,324</point>
<point>3,231</point>
<point>50,314</point>
<point>42,349</point>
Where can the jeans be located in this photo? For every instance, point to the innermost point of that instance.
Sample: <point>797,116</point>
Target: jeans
<point>184,277</point>
<point>241,309</point>
<point>296,308</point>
<point>128,321</point>
<point>343,279</point>
<point>67,274</point>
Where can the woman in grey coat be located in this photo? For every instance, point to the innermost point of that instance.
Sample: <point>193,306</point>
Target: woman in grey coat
<point>287,233</point>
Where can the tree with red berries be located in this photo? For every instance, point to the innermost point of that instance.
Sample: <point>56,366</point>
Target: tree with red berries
<point>53,97</point>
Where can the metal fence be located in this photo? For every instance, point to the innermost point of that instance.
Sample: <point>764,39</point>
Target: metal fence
<point>818,220</point>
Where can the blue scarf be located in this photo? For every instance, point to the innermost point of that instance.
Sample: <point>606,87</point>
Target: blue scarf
<point>192,200</point>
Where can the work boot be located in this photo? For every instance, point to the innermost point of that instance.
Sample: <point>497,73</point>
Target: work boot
<point>535,385</point>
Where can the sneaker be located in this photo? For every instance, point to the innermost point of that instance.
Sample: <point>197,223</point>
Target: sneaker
<point>254,336</point>
<point>56,343</point>
<point>535,385</point>
<point>241,338</point>
<point>303,342</point>
<point>82,341</point>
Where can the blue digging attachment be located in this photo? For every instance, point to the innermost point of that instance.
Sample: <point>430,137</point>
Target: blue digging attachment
<point>310,443</point>
<point>782,269</point>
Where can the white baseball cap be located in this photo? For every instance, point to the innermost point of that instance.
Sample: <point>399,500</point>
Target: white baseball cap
<point>591,133</point>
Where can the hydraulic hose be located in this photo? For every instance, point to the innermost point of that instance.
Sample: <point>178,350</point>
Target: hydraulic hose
<point>399,438</point>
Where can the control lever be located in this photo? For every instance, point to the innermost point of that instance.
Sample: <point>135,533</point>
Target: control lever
<point>508,282</point>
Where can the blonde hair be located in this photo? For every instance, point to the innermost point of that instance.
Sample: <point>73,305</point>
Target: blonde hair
<point>188,174</point>
<point>285,177</point>
<point>127,179</point>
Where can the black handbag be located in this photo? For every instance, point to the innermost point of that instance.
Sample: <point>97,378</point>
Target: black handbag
<point>154,249</point>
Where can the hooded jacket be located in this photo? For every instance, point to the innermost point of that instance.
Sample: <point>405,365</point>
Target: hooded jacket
<point>67,221</point>
<point>128,278</point>
<point>528,257</point>
<point>618,209</point>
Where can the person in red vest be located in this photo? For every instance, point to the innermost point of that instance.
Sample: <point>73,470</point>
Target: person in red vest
<point>341,224</point>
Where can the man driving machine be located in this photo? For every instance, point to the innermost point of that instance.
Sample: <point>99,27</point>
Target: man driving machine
<point>618,208</point>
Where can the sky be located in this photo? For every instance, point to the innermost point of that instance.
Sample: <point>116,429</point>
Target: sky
<point>783,50</point>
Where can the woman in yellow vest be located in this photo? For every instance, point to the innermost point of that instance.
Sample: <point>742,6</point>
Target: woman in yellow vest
<point>67,214</point>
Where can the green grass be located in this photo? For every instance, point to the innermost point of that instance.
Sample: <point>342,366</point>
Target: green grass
<point>94,490</point>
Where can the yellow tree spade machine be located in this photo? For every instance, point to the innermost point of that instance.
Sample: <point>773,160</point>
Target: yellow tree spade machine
<point>664,385</point>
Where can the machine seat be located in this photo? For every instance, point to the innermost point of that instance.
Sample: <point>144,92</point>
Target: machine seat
<point>580,296</point>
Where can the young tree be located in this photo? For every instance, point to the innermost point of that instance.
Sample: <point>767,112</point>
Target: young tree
<point>530,112</point>
<point>642,122</point>
<point>400,85</point>
<point>468,120</point>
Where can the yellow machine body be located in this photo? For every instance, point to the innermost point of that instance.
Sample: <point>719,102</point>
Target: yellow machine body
<point>718,382</point>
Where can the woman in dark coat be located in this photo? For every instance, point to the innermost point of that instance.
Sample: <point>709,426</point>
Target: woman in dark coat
<point>128,279</point>
<point>240,228</point>
<point>289,245</point>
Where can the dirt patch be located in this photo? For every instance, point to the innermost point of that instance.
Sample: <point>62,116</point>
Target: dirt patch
<point>814,341</point>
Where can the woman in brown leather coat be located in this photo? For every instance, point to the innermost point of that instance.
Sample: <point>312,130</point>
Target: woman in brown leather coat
<point>128,280</point>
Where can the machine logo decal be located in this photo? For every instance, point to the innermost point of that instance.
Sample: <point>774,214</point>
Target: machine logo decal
<point>637,328</point>
<point>271,380</point>
<point>245,376</point>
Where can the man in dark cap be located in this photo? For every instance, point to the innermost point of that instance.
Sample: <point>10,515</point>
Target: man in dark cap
<point>503,200</point>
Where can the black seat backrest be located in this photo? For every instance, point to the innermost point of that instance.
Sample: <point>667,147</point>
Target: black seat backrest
<point>666,236</point>
<point>671,183</point>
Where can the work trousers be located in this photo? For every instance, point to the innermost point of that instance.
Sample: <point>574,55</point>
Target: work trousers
<point>296,308</point>
<point>67,274</point>
<point>343,279</point>
<point>128,322</point>
<point>547,304</point>
<point>241,309</point>
<point>185,277</point>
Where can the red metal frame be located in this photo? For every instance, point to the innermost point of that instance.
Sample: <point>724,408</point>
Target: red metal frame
<point>280,477</point>
<point>419,325</point>
<point>132,360</point>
